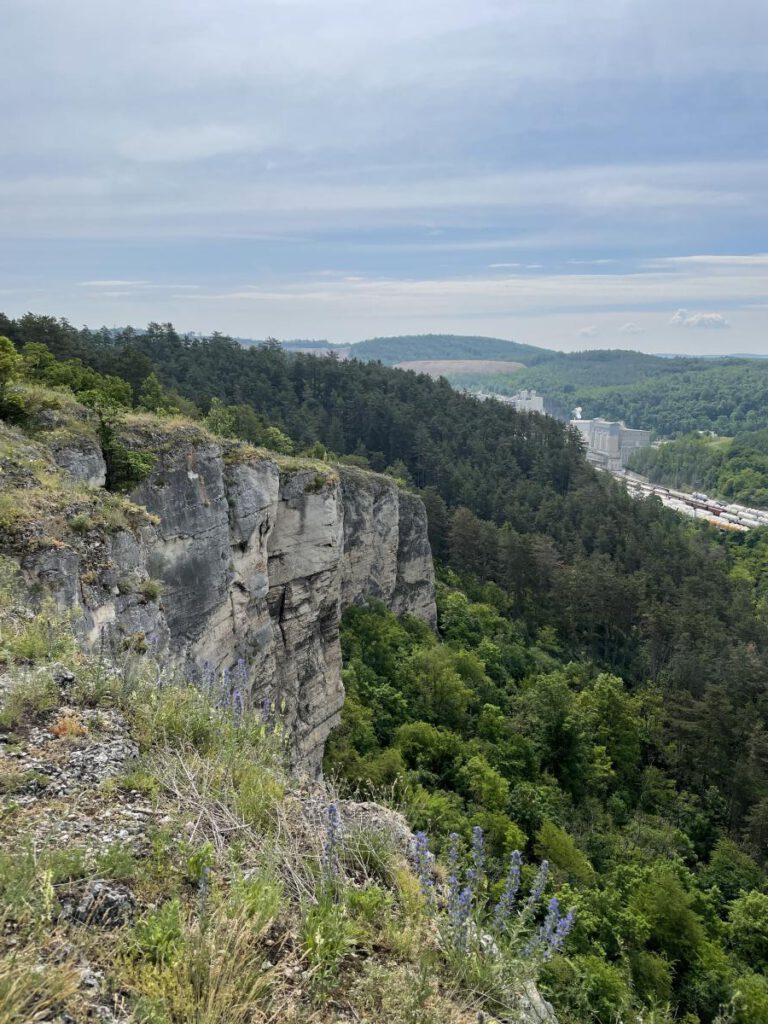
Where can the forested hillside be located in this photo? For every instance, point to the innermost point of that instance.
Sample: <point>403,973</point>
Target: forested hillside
<point>600,695</point>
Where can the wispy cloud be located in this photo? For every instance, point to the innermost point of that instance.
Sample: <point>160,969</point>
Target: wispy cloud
<point>141,285</point>
<point>722,260</point>
<point>707,321</point>
<point>111,284</point>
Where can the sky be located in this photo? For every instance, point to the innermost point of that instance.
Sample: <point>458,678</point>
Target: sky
<point>574,175</point>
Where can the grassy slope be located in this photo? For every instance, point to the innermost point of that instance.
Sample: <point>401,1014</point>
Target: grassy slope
<point>160,863</point>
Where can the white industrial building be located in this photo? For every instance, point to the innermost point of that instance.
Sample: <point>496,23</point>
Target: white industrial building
<point>527,401</point>
<point>610,443</point>
<point>523,401</point>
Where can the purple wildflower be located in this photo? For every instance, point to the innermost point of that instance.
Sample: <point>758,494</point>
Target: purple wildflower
<point>508,898</point>
<point>561,932</point>
<point>209,678</point>
<point>547,930</point>
<point>241,672</point>
<point>225,689</point>
<point>460,917</point>
<point>553,932</point>
<point>238,705</point>
<point>453,874</point>
<point>539,885</point>
<point>475,872</point>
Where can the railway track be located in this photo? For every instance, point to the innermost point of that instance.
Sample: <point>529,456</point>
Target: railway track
<point>731,517</point>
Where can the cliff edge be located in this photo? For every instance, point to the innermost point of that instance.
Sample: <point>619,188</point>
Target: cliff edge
<point>226,556</point>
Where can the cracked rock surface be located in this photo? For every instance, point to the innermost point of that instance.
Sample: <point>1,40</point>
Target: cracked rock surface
<point>254,563</point>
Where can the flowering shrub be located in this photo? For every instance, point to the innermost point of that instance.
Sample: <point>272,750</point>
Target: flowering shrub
<point>471,925</point>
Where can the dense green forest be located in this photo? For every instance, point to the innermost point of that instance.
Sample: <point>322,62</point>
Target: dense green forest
<point>734,468</point>
<point>486,730</point>
<point>600,694</point>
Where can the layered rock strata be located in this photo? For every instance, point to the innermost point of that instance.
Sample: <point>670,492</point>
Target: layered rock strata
<point>256,562</point>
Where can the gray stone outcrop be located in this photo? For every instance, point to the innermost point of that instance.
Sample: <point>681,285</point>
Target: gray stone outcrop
<point>254,564</point>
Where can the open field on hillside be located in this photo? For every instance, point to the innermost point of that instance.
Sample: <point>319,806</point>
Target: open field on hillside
<point>445,367</point>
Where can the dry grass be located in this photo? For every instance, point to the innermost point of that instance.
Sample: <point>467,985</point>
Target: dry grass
<point>69,727</point>
<point>30,989</point>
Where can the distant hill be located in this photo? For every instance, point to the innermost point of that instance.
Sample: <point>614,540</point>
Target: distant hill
<point>671,395</point>
<point>411,347</point>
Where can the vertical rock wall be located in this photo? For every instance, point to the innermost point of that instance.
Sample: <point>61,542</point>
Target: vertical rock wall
<point>258,564</point>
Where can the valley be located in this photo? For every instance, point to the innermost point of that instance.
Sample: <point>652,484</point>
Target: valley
<point>435,601</point>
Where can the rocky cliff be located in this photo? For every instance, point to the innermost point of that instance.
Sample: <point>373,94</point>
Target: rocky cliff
<point>228,556</point>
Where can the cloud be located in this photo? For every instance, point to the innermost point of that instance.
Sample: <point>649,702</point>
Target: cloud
<point>758,259</point>
<point>143,285</point>
<point>707,321</point>
<point>631,328</point>
<point>112,284</point>
<point>588,332</point>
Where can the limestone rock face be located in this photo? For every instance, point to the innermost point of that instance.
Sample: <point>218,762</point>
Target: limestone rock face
<point>258,564</point>
<point>254,564</point>
<point>225,558</point>
<point>83,462</point>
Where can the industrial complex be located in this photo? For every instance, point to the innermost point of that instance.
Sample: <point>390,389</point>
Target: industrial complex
<point>610,443</point>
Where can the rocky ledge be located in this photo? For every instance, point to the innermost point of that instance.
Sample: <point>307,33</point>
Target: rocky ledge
<point>242,561</point>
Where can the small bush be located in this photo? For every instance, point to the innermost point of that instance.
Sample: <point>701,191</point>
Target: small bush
<point>81,523</point>
<point>126,468</point>
<point>327,936</point>
<point>198,861</point>
<point>22,782</point>
<point>402,994</point>
<point>370,908</point>
<point>137,781</point>
<point>46,637</point>
<point>151,590</point>
<point>197,973</point>
<point>177,717</point>
<point>158,937</point>
<point>19,891</point>
<point>257,897</point>
<point>28,698</point>
<point>66,864</point>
